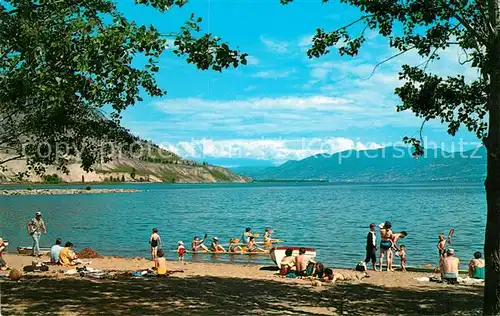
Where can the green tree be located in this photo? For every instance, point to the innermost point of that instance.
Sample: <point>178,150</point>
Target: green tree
<point>61,62</point>
<point>428,27</point>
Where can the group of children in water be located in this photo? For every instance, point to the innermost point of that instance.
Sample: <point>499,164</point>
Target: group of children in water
<point>249,244</point>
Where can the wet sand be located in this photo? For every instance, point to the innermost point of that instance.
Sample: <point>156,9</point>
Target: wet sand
<point>227,289</point>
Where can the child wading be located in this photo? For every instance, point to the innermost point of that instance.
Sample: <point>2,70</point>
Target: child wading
<point>155,242</point>
<point>181,250</point>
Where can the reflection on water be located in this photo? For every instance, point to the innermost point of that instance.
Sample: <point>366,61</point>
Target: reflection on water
<point>331,218</point>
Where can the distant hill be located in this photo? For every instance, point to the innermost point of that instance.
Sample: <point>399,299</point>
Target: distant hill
<point>390,164</point>
<point>152,165</point>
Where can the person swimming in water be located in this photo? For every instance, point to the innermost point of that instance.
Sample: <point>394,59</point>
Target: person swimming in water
<point>196,244</point>
<point>386,244</point>
<point>216,247</point>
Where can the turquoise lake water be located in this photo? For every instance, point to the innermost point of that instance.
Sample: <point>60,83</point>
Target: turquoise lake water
<point>332,218</point>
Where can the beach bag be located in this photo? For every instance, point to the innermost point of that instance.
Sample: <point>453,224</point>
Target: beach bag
<point>361,266</point>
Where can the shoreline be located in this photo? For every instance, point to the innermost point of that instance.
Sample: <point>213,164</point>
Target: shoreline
<point>21,192</point>
<point>226,289</point>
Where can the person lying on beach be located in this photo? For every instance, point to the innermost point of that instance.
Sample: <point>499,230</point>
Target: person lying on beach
<point>233,245</point>
<point>160,263</point>
<point>252,247</point>
<point>216,247</point>
<point>196,244</point>
<point>67,257</point>
<point>386,245</point>
<point>476,266</point>
<point>287,264</point>
<point>401,253</point>
<point>155,242</point>
<point>3,264</point>
<point>450,265</point>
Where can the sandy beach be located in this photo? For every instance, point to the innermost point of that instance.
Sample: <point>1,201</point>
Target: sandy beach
<point>225,289</point>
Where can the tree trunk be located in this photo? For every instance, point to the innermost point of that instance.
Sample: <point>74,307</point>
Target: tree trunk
<point>492,183</point>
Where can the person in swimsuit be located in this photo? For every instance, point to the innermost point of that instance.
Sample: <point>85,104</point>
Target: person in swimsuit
<point>161,263</point>
<point>476,266</point>
<point>450,265</point>
<point>155,242</point>
<point>233,245</point>
<point>196,244</point>
<point>246,235</point>
<point>181,250</point>
<point>401,253</point>
<point>287,264</point>
<point>301,262</point>
<point>252,247</point>
<point>394,241</point>
<point>216,247</point>
<point>3,264</point>
<point>386,244</point>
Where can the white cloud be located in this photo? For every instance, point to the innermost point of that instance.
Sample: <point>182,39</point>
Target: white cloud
<point>305,40</point>
<point>280,47</point>
<point>277,150</point>
<point>252,60</point>
<point>250,88</point>
<point>273,74</point>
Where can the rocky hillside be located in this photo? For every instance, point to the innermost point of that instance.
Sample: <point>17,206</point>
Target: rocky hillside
<point>167,167</point>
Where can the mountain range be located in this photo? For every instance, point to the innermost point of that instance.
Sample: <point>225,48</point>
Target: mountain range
<point>389,164</point>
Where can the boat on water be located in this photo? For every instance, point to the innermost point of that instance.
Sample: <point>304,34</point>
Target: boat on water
<point>29,250</point>
<point>236,253</point>
<point>278,253</point>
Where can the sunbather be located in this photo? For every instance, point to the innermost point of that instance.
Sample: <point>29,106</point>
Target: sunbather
<point>476,267</point>
<point>450,265</point>
<point>161,263</point>
<point>287,264</point>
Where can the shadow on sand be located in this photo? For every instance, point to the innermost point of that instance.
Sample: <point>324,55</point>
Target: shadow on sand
<point>228,296</point>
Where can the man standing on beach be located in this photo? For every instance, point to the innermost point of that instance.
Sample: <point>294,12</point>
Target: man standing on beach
<point>371,246</point>
<point>35,227</point>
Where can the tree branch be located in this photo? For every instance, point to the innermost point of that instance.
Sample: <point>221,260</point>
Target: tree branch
<point>364,17</point>
<point>388,59</point>
<point>10,159</point>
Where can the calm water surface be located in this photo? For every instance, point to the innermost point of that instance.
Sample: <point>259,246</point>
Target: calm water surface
<point>332,218</point>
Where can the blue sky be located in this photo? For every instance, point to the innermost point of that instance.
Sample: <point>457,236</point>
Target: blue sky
<point>282,105</point>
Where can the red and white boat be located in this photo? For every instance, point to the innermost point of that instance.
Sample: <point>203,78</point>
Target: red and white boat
<point>278,253</point>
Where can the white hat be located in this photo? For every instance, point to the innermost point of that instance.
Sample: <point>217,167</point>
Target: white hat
<point>216,238</point>
<point>38,214</point>
<point>180,242</point>
<point>450,251</point>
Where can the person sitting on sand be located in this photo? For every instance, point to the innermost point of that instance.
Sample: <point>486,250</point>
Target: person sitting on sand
<point>233,245</point>
<point>216,247</point>
<point>55,250</point>
<point>450,265</point>
<point>67,257</point>
<point>301,262</point>
<point>155,242</point>
<point>476,266</point>
<point>252,246</point>
<point>287,264</point>
<point>160,263</point>
<point>3,264</point>
<point>386,244</point>
<point>196,244</point>
<point>401,253</point>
